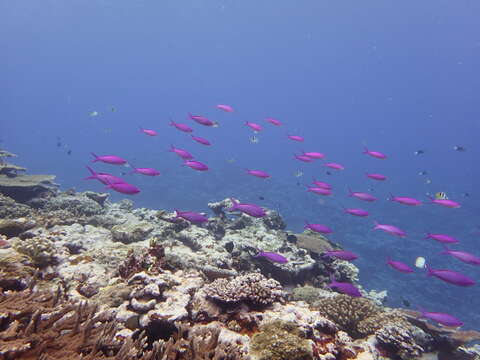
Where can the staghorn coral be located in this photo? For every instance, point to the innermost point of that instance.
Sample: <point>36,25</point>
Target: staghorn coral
<point>281,340</point>
<point>41,250</point>
<point>253,289</point>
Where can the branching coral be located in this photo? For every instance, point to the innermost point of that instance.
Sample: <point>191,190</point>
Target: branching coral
<point>253,289</point>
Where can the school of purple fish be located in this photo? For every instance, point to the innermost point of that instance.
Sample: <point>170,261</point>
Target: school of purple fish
<point>117,184</point>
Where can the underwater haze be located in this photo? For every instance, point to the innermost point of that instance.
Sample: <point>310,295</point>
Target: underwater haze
<point>400,78</point>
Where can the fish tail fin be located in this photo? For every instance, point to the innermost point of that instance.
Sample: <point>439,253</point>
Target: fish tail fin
<point>350,192</point>
<point>389,259</point>
<point>171,148</point>
<point>234,205</point>
<point>375,222</point>
<point>94,174</point>
<point>391,197</point>
<point>445,251</point>
<point>422,311</point>
<point>365,150</point>
<point>429,270</point>
<point>95,156</point>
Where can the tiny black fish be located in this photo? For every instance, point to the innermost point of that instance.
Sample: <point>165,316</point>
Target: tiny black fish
<point>459,148</point>
<point>261,198</point>
<point>419,152</point>
<point>328,173</point>
<point>69,152</point>
<point>406,303</point>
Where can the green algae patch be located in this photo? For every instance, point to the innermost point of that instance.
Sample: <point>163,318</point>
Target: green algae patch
<point>281,340</point>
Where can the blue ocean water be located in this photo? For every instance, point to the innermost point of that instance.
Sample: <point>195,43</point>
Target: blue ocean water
<point>395,76</point>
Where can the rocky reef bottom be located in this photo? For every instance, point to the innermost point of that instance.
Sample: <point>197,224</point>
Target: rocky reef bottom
<point>83,278</point>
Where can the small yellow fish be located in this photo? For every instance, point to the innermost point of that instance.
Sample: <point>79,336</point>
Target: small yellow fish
<point>298,173</point>
<point>94,113</point>
<point>420,262</point>
<point>441,196</point>
<point>231,161</point>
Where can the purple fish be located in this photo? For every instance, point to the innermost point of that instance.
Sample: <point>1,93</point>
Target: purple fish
<point>318,228</point>
<point>258,173</point>
<point>191,216</point>
<point>201,140</point>
<point>253,126</point>
<point>405,200</point>
<point>399,266</point>
<point>104,178</point>
<point>341,254</point>
<point>362,196</point>
<point>181,127</point>
<point>226,108</point>
<point>378,177</point>
<point>148,132</point>
<point>445,202</point>
<point>357,212</point>
<point>296,138</point>
<point>274,257</point>
<point>314,155</point>
<point>375,154</point>
<point>441,318</point>
<point>446,239</point>
<point>345,288</point>
<point>249,209</point>
<point>390,229</point>
<point>450,276</point>
<point>319,191</point>
<point>124,188</point>
<point>273,121</point>
<point>109,159</point>
<point>303,158</point>
<point>334,166</point>
<point>202,120</point>
<point>196,165</point>
<point>322,184</point>
<point>184,154</point>
<point>145,171</point>
<point>462,256</point>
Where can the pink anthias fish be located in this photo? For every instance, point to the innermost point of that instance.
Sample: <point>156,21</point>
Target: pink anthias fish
<point>254,126</point>
<point>201,140</point>
<point>399,266</point>
<point>390,229</point>
<point>334,166</point>
<point>224,107</point>
<point>441,318</point>
<point>249,209</point>
<point>405,200</point>
<point>450,276</point>
<point>124,188</point>
<point>445,239</point>
<point>148,132</point>
<point>362,196</point>
<point>296,138</point>
<point>318,228</point>
<point>314,155</point>
<point>272,256</point>
<point>378,177</point>
<point>303,158</point>
<point>258,173</point>
<point>191,216</point>
<point>145,171</point>
<point>322,184</point>
<point>109,159</point>
<point>356,212</point>
<point>341,254</point>
<point>319,191</point>
<point>462,256</point>
<point>195,165</point>
<point>273,121</point>
<point>345,288</point>
<point>184,154</point>
<point>104,178</point>
<point>445,202</point>
<point>202,120</point>
<point>375,154</point>
<point>181,127</point>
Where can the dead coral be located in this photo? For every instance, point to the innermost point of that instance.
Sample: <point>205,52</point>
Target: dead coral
<point>41,250</point>
<point>399,340</point>
<point>253,289</point>
<point>10,209</point>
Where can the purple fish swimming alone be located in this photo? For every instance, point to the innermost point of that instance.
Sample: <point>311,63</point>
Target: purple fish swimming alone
<point>362,196</point>
<point>253,126</point>
<point>441,318</point>
<point>273,257</point>
<point>124,188</point>
<point>201,140</point>
<point>356,212</point>
<point>391,229</point>
<point>345,288</point>
<point>104,178</point>
<point>318,228</point>
<point>303,158</point>
<point>375,154</point>
<point>109,159</point>
<point>181,127</point>
<point>258,173</point>
<point>450,276</point>
<point>314,155</point>
<point>224,107</point>
<point>445,203</point>
<point>273,121</point>
<point>191,216</point>
<point>145,171</point>
<point>405,200</point>
<point>319,191</point>
<point>184,154</point>
<point>445,239</point>
<point>249,209</point>
<point>202,120</point>
<point>195,165</point>
<point>334,166</point>
<point>341,254</point>
<point>378,177</point>
<point>462,256</point>
<point>399,266</point>
<point>296,138</point>
<point>148,132</point>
